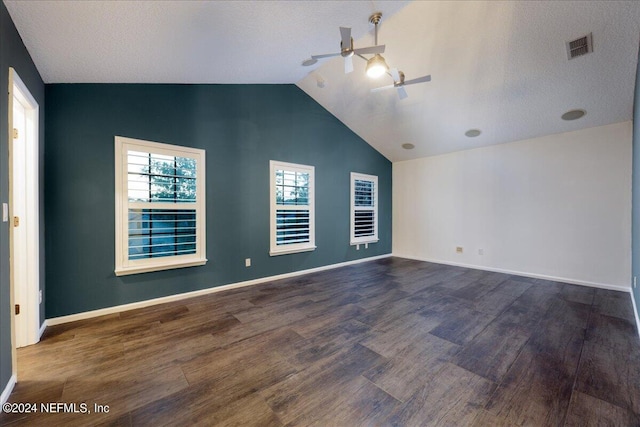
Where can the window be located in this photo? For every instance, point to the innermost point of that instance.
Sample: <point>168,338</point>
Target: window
<point>160,206</point>
<point>364,208</point>
<point>292,216</point>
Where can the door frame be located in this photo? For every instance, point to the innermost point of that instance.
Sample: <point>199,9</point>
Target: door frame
<point>31,310</point>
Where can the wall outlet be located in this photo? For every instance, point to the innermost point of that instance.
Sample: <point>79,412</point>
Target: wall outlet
<point>247,262</point>
<point>480,251</point>
<point>40,296</point>
<point>459,249</point>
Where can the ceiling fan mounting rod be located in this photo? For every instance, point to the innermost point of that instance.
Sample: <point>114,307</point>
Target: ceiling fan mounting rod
<point>375,20</point>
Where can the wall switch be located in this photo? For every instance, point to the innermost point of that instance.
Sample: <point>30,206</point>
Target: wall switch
<point>459,249</point>
<point>40,296</point>
<point>247,262</point>
<point>480,251</point>
<point>634,281</point>
<point>5,212</point>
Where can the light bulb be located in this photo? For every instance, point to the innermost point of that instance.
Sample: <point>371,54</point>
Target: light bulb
<point>376,66</point>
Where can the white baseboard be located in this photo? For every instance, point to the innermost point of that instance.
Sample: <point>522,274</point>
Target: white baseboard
<point>522,273</point>
<point>170,298</point>
<point>8,389</point>
<point>635,312</point>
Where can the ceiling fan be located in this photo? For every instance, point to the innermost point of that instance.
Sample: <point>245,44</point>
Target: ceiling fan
<point>347,50</point>
<point>399,82</point>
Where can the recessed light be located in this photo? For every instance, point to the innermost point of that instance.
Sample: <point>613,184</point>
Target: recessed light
<point>472,133</point>
<point>573,114</point>
<point>408,146</point>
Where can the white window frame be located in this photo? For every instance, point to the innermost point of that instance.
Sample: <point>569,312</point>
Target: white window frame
<point>364,239</point>
<point>276,249</point>
<point>125,266</point>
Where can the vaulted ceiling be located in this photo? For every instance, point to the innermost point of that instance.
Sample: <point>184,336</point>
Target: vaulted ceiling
<point>500,67</point>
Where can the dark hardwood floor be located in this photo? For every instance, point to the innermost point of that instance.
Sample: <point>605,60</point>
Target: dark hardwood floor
<point>390,342</point>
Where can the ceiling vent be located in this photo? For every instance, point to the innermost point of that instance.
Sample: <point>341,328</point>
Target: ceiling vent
<point>579,47</point>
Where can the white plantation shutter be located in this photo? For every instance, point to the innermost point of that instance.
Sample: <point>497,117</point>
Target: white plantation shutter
<point>364,208</point>
<point>292,213</point>
<point>160,217</point>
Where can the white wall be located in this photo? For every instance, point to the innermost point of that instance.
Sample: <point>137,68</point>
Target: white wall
<point>557,206</point>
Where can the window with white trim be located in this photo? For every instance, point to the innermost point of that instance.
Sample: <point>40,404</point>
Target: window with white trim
<point>364,208</point>
<point>160,206</point>
<point>292,213</point>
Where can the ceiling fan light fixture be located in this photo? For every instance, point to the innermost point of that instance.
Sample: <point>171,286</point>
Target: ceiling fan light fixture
<point>376,66</point>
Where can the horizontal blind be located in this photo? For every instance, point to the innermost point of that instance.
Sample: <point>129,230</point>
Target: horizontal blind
<point>154,179</point>
<point>364,193</point>
<point>292,226</point>
<point>364,215</point>
<point>161,232</point>
<point>364,223</point>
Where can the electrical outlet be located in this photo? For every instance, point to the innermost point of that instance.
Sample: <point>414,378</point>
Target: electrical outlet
<point>459,249</point>
<point>40,296</point>
<point>247,262</point>
<point>480,251</point>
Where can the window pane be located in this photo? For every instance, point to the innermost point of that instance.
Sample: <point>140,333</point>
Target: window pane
<point>161,232</point>
<point>364,192</point>
<point>292,188</point>
<point>158,178</point>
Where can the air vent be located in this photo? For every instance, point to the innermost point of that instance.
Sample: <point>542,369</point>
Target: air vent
<point>579,47</point>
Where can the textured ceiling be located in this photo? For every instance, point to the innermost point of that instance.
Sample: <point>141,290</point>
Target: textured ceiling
<point>500,67</point>
<point>183,41</point>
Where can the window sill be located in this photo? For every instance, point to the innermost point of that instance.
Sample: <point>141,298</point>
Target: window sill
<point>125,271</point>
<point>364,242</point>
<point>286,251</point>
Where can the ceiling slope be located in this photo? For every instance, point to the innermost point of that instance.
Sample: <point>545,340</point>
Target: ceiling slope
<point>500,67</point>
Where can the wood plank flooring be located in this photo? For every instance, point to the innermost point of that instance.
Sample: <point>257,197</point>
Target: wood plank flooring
<point>392,342</point>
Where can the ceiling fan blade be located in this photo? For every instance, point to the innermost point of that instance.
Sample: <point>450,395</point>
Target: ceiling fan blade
<point>370,49</point>
<point>345,34</point>
<point>348,64</point>
<point>402,93</point>
<point>395,75</point>
<point>326,55</point>
<point>380,89</point>
<point>418,80</point>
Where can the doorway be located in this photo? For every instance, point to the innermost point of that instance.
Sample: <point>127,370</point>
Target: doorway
<point>23,215</point>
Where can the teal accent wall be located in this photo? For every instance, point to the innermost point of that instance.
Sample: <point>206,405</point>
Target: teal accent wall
<point>14,54</point>
<point>635,210</point>
<point>241,127</point>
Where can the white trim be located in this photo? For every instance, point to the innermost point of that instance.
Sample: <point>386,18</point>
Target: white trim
<point>43,327</point>
<point>522,273</point>
<point>353,240</point>
<point>30,322</point>
<point>125,266</point>
<point>8,389</point>
<point>274,248</point>
<point>635,311</point>
<point>177,297</point>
